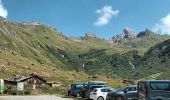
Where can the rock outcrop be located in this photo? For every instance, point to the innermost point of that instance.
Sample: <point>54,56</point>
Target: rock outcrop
<point>129,33</point>
<point>146,33</point>
<point>90,35</point>
<point>34,23</point>
<point>126,35</point>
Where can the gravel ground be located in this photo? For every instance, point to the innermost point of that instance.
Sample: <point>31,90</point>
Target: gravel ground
<point>41,97</point>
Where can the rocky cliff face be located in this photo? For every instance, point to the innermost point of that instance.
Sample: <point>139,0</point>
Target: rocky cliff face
<point>146,33</point>
<point>126,35</point>
<point>83,38</point>
<point>129,33</point>
<point>120,38</point>
<point>89,34</point>
<point>33,23</point>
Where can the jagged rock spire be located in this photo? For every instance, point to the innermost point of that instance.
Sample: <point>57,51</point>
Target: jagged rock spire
<point>145,33</point>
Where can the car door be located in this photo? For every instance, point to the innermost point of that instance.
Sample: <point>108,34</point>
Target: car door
<point>104,92</point>
<point>141,90</point>
<point>131,93</point>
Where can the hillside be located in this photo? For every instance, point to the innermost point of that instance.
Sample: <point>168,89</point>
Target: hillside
<point>51,50</point>
<point>155,62</point>
<point>13,64</point>
<point>37,41</point>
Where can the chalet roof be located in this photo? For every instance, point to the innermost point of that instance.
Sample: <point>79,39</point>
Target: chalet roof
<point>23,78</point>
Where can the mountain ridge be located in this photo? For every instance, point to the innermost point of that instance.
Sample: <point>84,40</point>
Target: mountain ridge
<point>89,54</point>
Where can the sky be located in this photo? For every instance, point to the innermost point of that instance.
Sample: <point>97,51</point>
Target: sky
<point>105,18</point>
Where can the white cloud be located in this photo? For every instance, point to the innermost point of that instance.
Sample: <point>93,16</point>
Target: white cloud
<point>106,13</point>
<point>163,27</point>
<point>3,11</point>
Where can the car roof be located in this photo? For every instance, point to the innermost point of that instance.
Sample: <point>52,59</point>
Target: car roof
<point>78,83</point>
<point>97,82</point>
<point>103,88</point>
<point>132,85</point>
<point>98,85</point>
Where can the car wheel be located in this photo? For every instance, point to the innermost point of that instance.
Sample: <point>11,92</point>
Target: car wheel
<point>77,95</point>
<point>83,96</point>
<point>100,98</point>
<point>119,98</point>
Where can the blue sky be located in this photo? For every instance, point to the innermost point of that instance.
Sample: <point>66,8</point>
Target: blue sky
<point>105,18</point>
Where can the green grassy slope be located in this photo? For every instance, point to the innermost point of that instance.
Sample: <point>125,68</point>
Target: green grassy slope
<point>93,56</point>
<point>38,42</point>
<point>156,60</point>
<point>12,63</point>
<point>144,43</point>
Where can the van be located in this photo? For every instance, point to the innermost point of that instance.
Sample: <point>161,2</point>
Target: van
<point>154,90</point>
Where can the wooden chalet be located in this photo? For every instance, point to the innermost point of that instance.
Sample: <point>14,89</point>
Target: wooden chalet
<point>27,80</point>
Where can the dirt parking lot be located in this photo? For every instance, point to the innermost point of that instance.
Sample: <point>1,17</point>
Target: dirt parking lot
<point>41,97</point>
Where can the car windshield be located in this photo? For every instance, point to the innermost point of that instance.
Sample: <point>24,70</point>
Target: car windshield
<point>105,90</point>
<point>93,87</point>
<point>79,86</point>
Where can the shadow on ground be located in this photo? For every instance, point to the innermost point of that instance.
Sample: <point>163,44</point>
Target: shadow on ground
<point>75,98</point>
<point>79,99</point>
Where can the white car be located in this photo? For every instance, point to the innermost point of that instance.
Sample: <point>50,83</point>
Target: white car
<point>99,93</point>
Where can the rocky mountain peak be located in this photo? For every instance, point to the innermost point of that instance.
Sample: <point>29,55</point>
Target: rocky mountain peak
<point>34,23</point>
<point>89,34</point>
<point>2,19</point>
<point>129,33</point>
<point>145,33</point>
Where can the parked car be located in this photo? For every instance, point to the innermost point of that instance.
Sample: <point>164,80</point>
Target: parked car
<point>99,93</point>
<point>76,89</point>
<point>154,90</point>
<point>124,93</point>
<point>83,91</point>
<point>91,85</point>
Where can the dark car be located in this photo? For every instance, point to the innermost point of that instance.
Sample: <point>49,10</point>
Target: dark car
<point>83,91</point>
<point>124,93</point>
<point>76,89</point>
<point>154,90</point>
